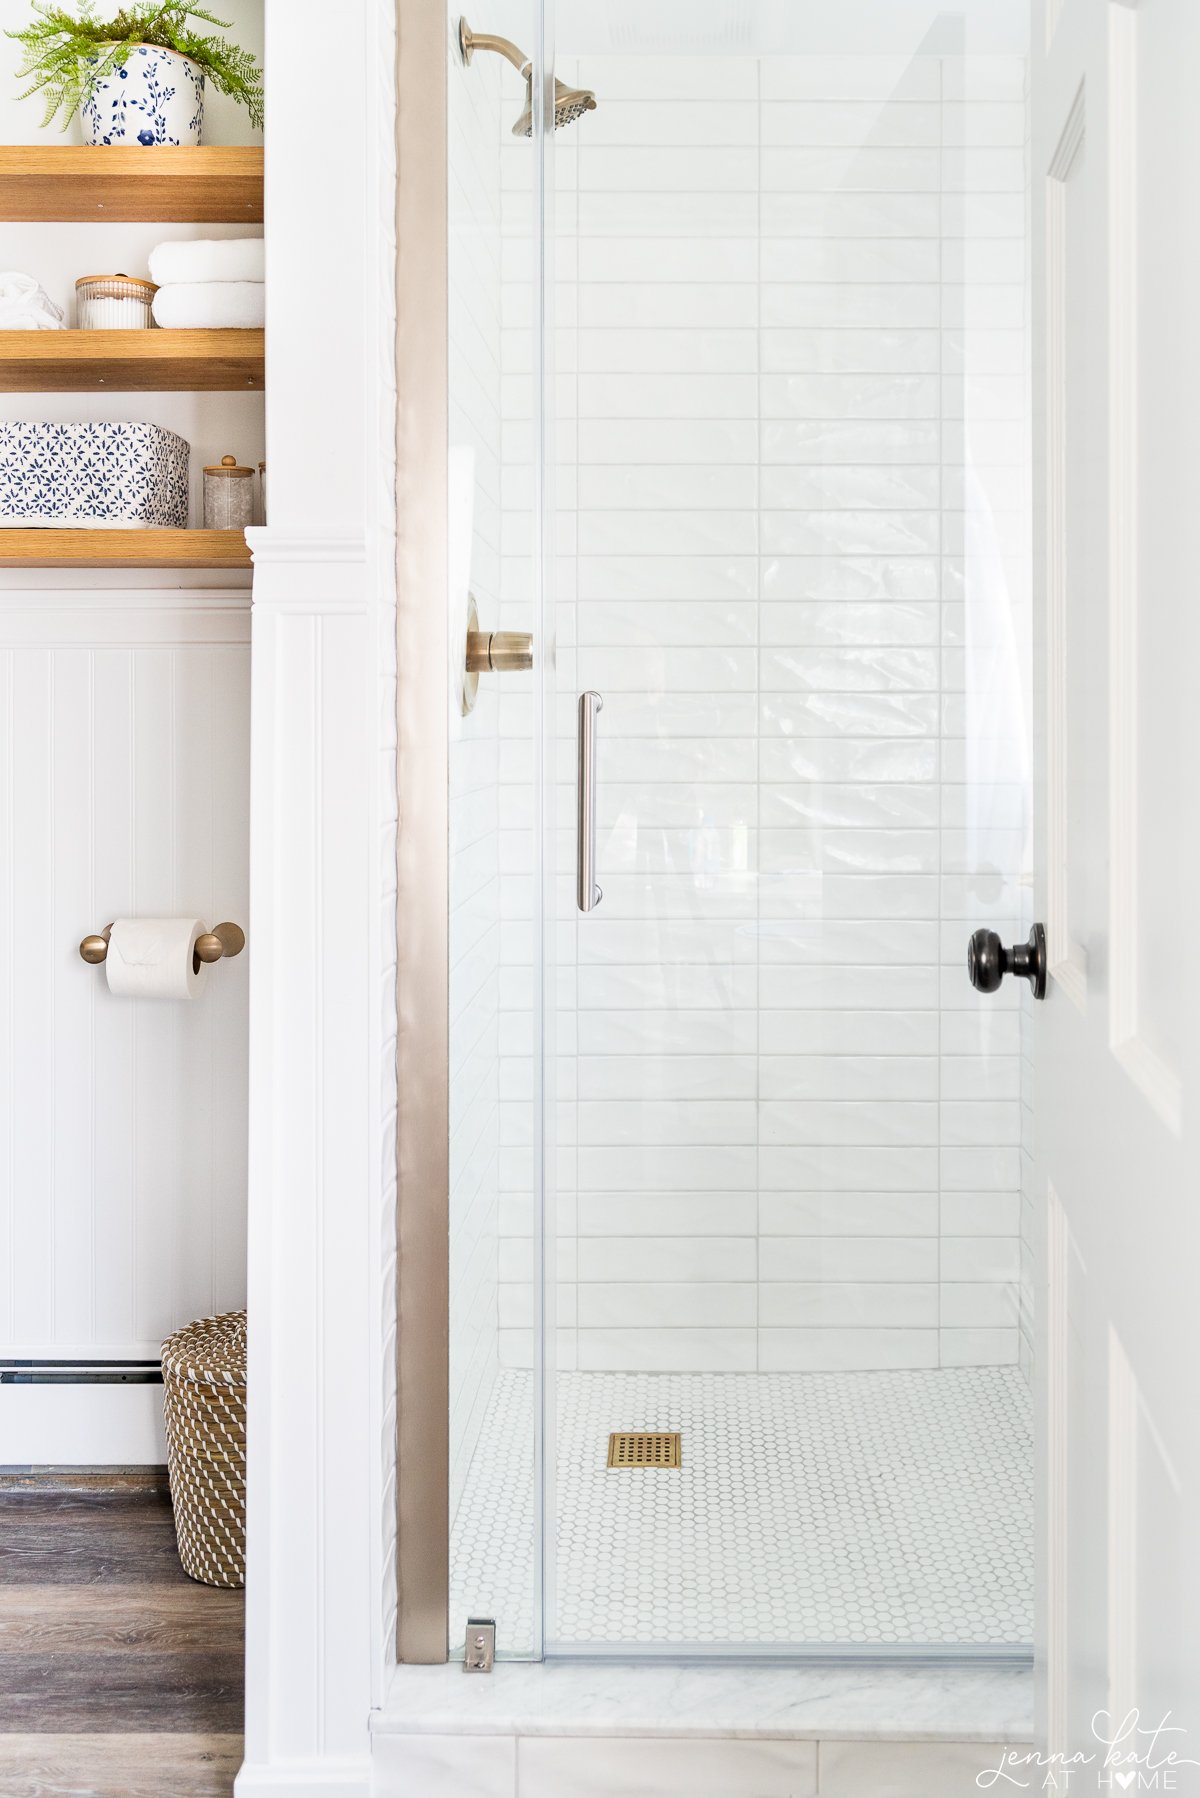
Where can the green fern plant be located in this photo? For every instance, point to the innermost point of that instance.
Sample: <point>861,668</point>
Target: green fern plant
<point>66,54</point>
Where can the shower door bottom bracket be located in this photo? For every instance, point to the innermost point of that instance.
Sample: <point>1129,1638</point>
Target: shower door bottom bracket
<point>644,1448</point>
<point>481,1645</point>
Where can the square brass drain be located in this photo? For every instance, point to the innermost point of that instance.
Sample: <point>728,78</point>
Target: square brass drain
<point>644,1448</point>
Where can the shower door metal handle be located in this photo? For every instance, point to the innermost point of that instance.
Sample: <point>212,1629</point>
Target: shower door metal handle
<point>587,891</point>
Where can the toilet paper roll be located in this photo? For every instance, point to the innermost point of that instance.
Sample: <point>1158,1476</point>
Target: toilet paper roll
<point>153,958</point>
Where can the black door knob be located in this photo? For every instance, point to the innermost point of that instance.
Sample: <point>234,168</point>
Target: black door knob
<point>988,961</point>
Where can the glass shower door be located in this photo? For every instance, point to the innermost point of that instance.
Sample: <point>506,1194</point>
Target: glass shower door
<point>784,1247</point>
<point>498,956</point>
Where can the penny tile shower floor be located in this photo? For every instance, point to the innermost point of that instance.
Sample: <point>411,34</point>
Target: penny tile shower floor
<point>872,1509</point>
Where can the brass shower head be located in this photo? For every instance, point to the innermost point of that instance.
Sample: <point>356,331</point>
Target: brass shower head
<point>570,103</point>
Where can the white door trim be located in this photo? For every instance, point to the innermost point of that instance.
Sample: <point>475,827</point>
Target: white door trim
<point>322,1017</point>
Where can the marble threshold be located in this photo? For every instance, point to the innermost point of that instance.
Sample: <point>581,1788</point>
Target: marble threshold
<point>915,1703</point>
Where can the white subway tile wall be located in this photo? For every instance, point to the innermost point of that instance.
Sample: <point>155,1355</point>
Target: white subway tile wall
<point>790,491</point>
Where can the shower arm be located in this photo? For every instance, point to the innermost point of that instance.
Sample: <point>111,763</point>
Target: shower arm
<point>469,41</point>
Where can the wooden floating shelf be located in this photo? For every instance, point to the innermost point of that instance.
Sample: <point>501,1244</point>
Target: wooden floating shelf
<point>123,549</point>
<point>131,361</point>
<point>121,182</point>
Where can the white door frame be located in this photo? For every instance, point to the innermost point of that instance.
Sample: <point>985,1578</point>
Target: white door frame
<point>322,916</point>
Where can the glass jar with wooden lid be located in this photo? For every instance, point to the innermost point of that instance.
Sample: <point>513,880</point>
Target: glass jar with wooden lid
<point>228,496</point>
<point>114,303</point>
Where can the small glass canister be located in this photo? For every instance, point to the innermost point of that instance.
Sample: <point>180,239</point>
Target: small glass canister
<point>228,496</point>
<point>114,303</point>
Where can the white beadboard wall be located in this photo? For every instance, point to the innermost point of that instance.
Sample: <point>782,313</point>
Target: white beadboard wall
<point>474,400</point>
<point>791,368</point>
<point>123,791</point>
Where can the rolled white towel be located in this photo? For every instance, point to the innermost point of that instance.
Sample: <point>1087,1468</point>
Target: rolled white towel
<point>211,306</point>
<point>24,306</point>
<point>209,259</point>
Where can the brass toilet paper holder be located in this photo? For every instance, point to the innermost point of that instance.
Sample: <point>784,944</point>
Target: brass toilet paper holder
<point>222,941</point>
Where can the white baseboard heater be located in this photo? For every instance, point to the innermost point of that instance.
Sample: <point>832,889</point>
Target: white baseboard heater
<point>81,1414</point>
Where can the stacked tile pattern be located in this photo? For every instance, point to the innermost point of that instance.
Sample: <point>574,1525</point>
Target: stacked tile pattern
<point>790,494</point>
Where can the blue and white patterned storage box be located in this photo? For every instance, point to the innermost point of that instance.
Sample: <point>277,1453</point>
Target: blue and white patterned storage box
<point>93,476</point>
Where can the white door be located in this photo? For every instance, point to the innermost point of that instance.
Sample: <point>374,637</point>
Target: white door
<point>1116,294</point>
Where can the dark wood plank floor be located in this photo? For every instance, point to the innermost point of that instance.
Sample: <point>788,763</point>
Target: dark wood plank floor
<point>119,1676</point>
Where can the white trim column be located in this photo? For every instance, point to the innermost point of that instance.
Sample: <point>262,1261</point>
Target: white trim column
<point>322,1080</point>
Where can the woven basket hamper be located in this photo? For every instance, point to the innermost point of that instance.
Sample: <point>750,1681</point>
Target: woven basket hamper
<point>204,1387</point>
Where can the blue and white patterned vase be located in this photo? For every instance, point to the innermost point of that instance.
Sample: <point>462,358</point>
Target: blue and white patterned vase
<point>154,97</point>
